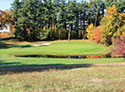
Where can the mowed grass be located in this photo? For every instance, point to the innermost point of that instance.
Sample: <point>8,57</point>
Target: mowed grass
<point>91,79</point>
<point>57,48</point>
<point>13,62</point>
<point>7,52</point>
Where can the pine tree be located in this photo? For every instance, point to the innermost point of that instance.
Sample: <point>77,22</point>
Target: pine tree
<point>61,16</point>
<point>107,3</point>
<point>30,20</point>
<point>70,16</point>
<point>97,7</point>
<point>91,12</point>
<point>16,5</point>
<point>83,9</point>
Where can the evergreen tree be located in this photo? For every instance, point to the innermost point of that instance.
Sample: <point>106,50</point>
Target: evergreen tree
<point>15,12</point>
<point>97,6</point>
<point>30,20</point>
<point>71,6</point>
<point>83,9</point>
<point>107,3</point>
<point>61,16</point>
<point>91,11</point>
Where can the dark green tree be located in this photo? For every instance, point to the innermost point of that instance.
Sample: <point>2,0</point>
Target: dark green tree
<point>61,17</point>
<point>83,10</point>
<point>120,4</point>
<point>97,9</point>
<point>30,20</point>
<point>71,6</point>
<point>16,5</point>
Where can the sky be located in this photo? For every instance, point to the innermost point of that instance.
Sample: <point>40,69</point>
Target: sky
<point>6,4</point>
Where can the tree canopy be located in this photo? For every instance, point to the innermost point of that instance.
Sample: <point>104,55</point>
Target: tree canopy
<point>57,19</point>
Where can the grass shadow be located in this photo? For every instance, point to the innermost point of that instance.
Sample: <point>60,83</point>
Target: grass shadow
<point>13,67</point>
<point>4,45</point>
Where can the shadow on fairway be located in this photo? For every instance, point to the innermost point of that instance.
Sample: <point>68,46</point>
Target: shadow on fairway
<point>8,64</point>
<point>6,46</point>
<point>13,67</point>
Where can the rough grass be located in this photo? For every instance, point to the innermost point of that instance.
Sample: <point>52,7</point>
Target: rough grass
<point>91,79</point>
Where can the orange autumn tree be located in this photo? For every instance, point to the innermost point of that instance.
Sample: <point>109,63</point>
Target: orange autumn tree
<point>111,22</point>
<point>97,33</point>
<point>6,18</point>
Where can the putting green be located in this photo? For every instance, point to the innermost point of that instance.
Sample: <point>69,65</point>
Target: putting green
<point>60,48</point>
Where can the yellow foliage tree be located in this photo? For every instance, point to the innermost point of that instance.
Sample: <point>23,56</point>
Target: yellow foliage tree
<point>111,22</point>
<point>89,31</point>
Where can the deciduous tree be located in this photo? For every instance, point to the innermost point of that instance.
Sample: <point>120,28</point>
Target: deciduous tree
<point>111,22</point>
<point>6,18</point>
<point>90,30</point>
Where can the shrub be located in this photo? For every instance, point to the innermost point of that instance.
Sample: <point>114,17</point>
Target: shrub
<point>4,34</point>
<point>119,46</point>
<point>96,57</point>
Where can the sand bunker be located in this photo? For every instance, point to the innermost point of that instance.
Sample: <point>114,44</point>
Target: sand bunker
<point>44,44</point>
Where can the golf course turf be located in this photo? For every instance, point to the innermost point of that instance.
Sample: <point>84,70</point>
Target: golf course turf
<point>85,79</point>
<point>8,52</point>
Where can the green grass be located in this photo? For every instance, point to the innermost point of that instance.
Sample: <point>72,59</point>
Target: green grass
<point>58,48</point>
<point>7,51</point>
<point>91,79</point>
<point>50,61</point>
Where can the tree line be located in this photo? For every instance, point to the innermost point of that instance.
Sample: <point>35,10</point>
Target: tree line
<point>58,19</point>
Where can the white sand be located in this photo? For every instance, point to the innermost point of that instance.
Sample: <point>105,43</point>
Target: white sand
<point>44,44</point>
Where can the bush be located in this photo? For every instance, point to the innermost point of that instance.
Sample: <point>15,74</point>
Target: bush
<point>4,34</point>
<point>119,46</point>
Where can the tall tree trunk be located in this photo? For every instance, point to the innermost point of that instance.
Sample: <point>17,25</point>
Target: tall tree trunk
<point>69,32</point>
<point>59,33</point>
<point>96,19</point>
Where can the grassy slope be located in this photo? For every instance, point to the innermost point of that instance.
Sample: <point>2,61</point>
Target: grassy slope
<point>92,79</point>
<point>58,48</point>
